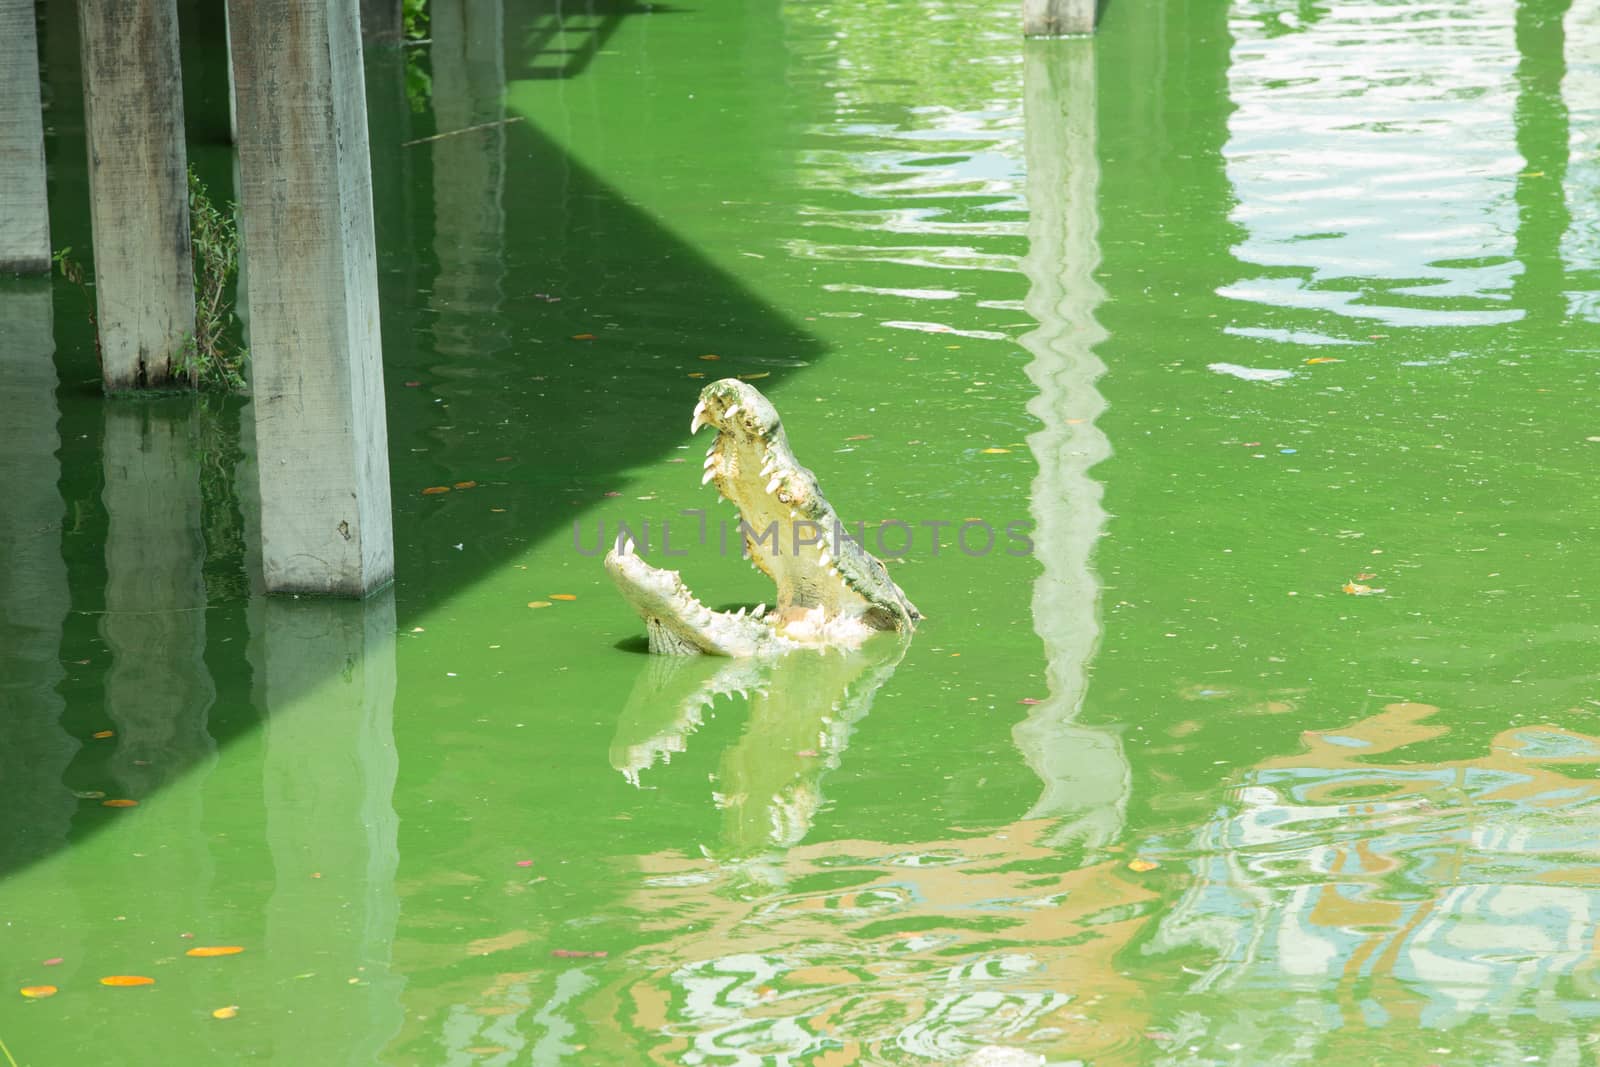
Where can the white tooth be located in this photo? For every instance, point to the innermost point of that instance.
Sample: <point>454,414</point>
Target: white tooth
<point>766,468</point>
<point>834,571</point>
<point>760,610</point>
<point>699,419</point>
<point>739,614</point>
<point>627,549</point>
<point>823,557</point>
<point>731,412</point>
<point>709,474</point>
<point>617,548</point>
<point>772,484</point>
<point>710,459</point>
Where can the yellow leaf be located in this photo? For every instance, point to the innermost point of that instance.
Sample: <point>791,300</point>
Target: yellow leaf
<point>562,596</point>
<point>1323,359</point>
<point>38,992</point>
<point>711,357</point>
<point>127,980</point>
<point>466,485</point>
<point>435,490</point>
<point>226,1013</point>
<point>697,374</point>
<point>1140,866</point>
<point>215,950</point>
<point>583,337</point>
<point>755,377</point>
<point>103,733</point>
<point>538,603</point>
<point>120,803</point>
<point>1357,589</point>
<point>996,451</point>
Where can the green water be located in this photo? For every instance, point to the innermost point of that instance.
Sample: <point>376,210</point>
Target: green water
<point>1052,284</point>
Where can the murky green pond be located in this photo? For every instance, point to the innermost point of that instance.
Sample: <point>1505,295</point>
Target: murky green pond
<point>1277,321</point>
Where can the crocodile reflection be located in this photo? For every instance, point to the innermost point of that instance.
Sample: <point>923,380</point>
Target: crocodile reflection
<point>803,707</point>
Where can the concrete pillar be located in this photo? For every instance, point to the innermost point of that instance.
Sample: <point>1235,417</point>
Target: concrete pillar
<point>24,212</point>
<point>325,686</point>
<point>316,354</point>
<point>1055,18</point>
<point>35,748</point>
<point>138,189</point>
<point>1084,771</point>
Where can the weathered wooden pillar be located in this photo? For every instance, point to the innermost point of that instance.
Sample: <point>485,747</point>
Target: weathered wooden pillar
<point>1056,18</point>
<point>24,212</point>
<point>316,356</point>
<point>138,189</point>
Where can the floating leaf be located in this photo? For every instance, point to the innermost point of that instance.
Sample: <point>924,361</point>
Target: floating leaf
<point>583,337</point>
<point>487,1050</point>
<point>576,954</point>
<point>709,357</point>
<point>996,451</point>
<point>435,490</point>
<point>38,992</point>
<point>54,961</point>
<point>524,863</point>
<point>756,377</point>
<point>103,733</point>
<point>1357,589</point>
<point>1140,866</point>
<point>126,980</point>
<point>226,1013</point>
<point>1030,701</point>
<point>692,374</point>
<point>466,485</point>
<point>859,437</point>
<point>215,950</point>
<point>88,794</point>
<point>119,803</point>
<point>1323,359</point>
<point>538,603</point>
<point>562,596</point>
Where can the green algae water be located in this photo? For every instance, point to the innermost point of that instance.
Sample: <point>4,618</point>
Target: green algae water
<point>1275,325</point>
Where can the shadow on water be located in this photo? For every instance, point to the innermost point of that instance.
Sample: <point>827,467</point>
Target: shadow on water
<point>530,249</point>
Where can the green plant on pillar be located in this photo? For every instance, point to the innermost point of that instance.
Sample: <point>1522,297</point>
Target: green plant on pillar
<point>72,270</point>
<point>210,357</point>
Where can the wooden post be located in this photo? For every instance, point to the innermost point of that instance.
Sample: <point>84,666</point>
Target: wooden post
<point>1057,18</point>
<point>138,189</point>
<point>24,212</point>
<point>316,356</point>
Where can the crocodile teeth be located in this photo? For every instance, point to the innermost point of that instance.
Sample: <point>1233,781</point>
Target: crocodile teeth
<point>823,557</point>
<point>619,548</point>
<point>731,412</point>
<point>710,458</point>
<point>699,419</point>
<point>707,476</point>
<point>766,468</point>
<point>759,610</point>
<point>773,484</point>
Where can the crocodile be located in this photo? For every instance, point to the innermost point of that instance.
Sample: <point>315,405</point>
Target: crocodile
<point>831,592</point>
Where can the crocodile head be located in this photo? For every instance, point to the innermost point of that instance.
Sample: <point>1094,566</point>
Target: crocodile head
<point>829,590</point>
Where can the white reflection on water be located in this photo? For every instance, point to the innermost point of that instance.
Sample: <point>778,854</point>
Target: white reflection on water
<point>1374,157</point>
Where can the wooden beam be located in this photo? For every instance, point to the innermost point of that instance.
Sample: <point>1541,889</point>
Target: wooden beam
<point>305,200</point>
<point>24,211</point>
<point>138,190</point>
